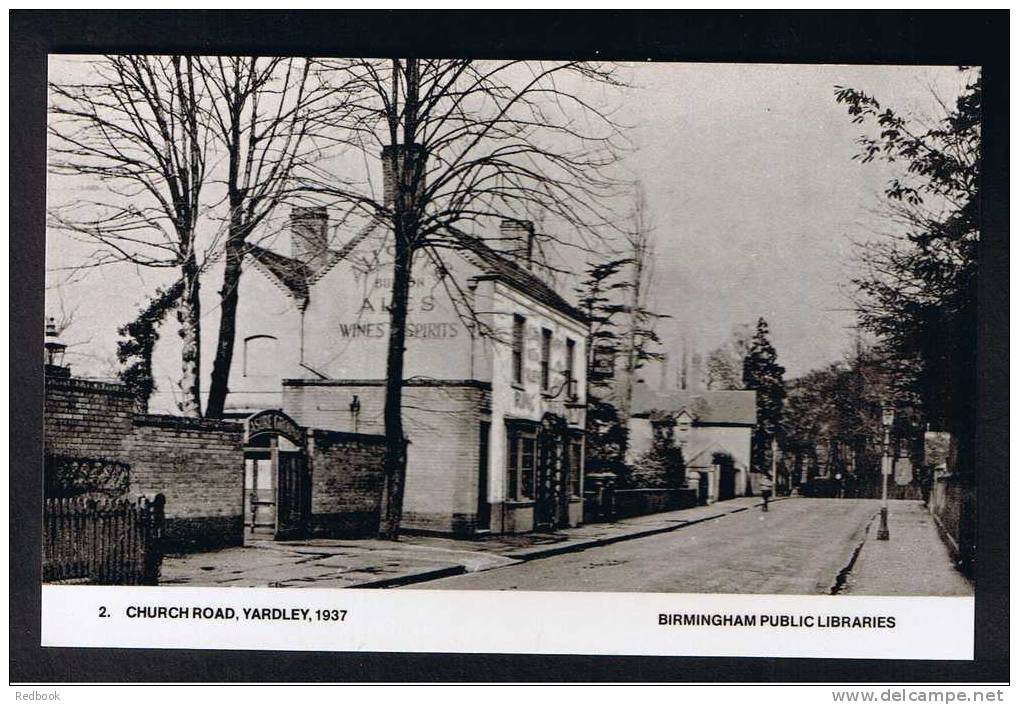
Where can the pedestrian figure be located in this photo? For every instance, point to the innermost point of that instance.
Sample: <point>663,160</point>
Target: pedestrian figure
<point>850,488</point>
<point>766,487</point>
<point>925,477</point>
<point>839,488</point>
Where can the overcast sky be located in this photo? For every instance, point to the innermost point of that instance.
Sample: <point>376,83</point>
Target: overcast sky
<point>751,186</point>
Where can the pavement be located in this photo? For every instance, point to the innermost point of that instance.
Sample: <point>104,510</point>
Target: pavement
<point>914,560</point>
<point>800,546</point>
<point>371,563</point>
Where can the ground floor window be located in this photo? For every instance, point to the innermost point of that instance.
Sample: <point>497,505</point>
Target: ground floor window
<point>520,445</point>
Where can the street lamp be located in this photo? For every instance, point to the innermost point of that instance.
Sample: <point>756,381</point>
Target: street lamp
<point>53,345</point>
<point>887,419</point>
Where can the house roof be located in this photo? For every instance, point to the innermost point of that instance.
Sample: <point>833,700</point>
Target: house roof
<point>497,266</point>
<point>710,407</point>
<point>296,277</point>
<point>288,272</point>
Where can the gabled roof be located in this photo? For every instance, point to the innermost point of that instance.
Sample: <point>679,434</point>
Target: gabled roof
<point>296,277</point>
<point>710,407</point>
<point>497,266</point>
<point>342,253</point>
<point>286,271</point>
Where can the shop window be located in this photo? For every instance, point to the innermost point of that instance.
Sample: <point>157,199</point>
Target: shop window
<point>520,446</point>
<point>518,349</point>
<point>527,444</point>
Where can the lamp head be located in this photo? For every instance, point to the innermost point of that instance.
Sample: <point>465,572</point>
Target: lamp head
<point>53,345</point>
<point>887,415</point>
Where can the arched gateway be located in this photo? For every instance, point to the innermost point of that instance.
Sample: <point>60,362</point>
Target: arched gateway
<point>277,485</point>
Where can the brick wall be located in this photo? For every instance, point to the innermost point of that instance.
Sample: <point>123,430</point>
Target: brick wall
<point>442,424</point>
<point>347,479</point>
<point>198,465</point>
<point>86,418</point>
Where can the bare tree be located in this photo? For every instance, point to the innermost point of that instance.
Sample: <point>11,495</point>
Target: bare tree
<point>640,331</point>
<point>723,369</point>
<point>265,113</point>
<point>467,142</point>
<point>135,127</point>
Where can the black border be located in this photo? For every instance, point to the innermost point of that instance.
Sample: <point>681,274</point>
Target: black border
<point>901,37</point>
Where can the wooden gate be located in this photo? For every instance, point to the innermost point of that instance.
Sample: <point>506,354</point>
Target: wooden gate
<point>293,495</point>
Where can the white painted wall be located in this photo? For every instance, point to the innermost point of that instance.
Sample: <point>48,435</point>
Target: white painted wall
<point>527,401</point>
<point>263,309</point>
<point>702,443</point>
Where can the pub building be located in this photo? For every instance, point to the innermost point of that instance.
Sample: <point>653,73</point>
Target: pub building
<point>494,396</point>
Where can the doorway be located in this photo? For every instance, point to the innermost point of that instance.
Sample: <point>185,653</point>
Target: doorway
<point>259,495</point>
<point>277,484</point>
<point>551,491</point>
<point>484,515</point>
<point>726,476</point>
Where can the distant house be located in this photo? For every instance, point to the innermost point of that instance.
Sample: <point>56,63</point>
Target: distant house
<point>714,429</point>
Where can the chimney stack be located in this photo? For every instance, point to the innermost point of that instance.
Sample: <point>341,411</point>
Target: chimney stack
<point>309,233</point>
<point>392,158</point>
<point>518,239</point>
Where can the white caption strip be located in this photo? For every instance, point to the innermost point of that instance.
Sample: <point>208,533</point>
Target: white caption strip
<point>509,622</point>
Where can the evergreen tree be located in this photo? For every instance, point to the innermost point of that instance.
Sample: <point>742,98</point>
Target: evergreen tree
<point>763,374</point>
<point>597,296</point>
<point>613,325</point>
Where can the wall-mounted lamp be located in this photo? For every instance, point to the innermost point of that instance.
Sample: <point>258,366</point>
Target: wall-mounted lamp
<point>569,385</point>
<point>573,406</point>
<point>355,410</point>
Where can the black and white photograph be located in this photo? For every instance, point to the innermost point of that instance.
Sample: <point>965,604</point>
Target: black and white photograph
<point>356,322</point>
<point>516,327</point>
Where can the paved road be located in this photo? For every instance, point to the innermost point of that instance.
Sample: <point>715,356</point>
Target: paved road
<point>798,547</point>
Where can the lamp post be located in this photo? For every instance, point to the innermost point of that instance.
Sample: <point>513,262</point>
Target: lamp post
<point>774,464</point>
<point>53,345</point>
<point>887,419</point>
